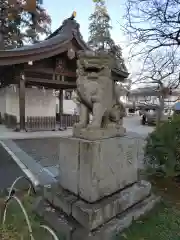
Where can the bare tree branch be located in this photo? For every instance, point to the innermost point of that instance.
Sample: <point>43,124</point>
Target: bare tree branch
<point>153,28</point>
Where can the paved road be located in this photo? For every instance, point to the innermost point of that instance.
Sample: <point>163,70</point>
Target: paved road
<point>132,124</point>
<point>9,171</point>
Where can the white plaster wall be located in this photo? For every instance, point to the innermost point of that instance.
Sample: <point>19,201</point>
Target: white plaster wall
<point>68,106</point>
<point>38,102</point>
<point>12,101</point>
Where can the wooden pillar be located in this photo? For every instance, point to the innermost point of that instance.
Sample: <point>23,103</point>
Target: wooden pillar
<point>22,101</point>
<point>60,101</point>
<point>61,98</point>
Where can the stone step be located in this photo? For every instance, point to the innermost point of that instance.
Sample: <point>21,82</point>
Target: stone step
<point>93,215</point>
<point>65,226</point>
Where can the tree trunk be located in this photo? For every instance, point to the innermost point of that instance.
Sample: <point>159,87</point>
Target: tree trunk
<point>22,108</point>
<point>160,110</point>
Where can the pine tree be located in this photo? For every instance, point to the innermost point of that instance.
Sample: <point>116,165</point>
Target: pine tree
<point>99,28</point>
<point>22,22</point>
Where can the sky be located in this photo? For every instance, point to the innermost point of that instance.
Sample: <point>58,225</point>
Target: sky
<point>60,10</point>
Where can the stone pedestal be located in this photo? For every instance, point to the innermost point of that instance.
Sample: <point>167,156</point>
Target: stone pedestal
<point>89,134</point>
<point>98,193</point>
<point>95,169</point>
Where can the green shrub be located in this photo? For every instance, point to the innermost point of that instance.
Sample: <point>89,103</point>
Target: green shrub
<point>163,148</point>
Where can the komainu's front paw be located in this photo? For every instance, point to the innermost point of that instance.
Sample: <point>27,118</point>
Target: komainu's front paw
<point>80,125</point>
<point>93,126</point>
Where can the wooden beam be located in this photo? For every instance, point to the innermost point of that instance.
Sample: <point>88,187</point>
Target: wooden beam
<point>65,73</point>
<point>51,71</point>
<point>22,101</point>
<point>48,86</point>
<point>55,82</point>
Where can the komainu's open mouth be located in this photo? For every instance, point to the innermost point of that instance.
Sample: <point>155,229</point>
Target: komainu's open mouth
<point>91,69</point>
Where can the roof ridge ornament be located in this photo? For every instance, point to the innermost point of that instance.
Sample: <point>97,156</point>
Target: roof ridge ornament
<point>74,14</point>
<point>71,23</point>
<point>72,17</point>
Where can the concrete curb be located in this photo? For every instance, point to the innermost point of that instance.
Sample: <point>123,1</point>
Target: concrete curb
<point>34,135</point>
<point>38,175</point>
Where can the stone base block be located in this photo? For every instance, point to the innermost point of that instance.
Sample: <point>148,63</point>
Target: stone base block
<point>65,226</point>
<point>95,169</point>
<point>91,216</point>
<point>97,134</point>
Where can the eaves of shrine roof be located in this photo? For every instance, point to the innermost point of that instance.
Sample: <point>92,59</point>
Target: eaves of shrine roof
<point>55,44</point>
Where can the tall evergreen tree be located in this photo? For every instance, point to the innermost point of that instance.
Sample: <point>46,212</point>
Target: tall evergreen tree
<point>100,37</point>
<point>22,22</point>
<point>99,27</point>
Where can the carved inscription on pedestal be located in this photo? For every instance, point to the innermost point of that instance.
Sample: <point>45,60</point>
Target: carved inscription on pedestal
<point>129,153</point>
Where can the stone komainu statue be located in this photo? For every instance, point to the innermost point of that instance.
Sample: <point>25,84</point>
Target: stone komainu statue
<point>97,93</point>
